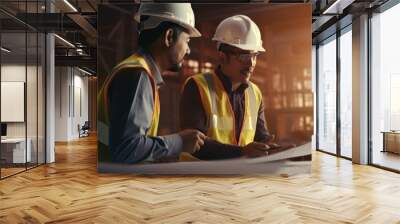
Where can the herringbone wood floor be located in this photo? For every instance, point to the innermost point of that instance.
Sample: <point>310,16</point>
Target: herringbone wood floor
<point>70,191</point>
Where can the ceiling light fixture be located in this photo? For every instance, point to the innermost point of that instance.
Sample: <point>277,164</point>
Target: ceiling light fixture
<point>65,41</point>
<point>70,5</point>
<point>337,7</point>
<point>5,50</point>
<point>84,71</point>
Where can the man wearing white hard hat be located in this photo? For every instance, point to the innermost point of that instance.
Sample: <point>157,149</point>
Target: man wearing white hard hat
<point>225,104</point>
<point>129,104</point>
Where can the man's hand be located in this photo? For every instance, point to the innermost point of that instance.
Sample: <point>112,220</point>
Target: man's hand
<point>274,145</point>
<point>192,140</point>
<point>271,144</point>
<point>255,149</point>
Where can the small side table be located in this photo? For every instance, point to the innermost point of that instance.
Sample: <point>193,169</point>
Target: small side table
<point>391,141</point>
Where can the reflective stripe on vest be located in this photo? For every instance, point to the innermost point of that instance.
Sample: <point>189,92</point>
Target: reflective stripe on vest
<point>134,61</point>
<point>219,112</point>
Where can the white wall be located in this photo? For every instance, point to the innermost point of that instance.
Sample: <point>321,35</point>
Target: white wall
<point>62,81</point>
<point>9,73</point>
<point>33,126</point>
<point>17,73</point>
<point>71,102</point>
<point>79,104</point>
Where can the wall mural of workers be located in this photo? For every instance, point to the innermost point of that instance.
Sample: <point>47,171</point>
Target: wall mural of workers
<point>198,92</point>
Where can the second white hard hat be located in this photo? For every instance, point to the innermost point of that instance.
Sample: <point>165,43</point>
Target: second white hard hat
<point>241,32</point>
<point>179,13</point>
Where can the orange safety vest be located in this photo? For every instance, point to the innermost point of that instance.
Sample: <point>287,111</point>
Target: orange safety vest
<point>134,61</point>
<point>219,112</point>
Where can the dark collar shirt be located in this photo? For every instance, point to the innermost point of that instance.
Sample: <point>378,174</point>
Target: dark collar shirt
<point>192,115</point>
<point>131,109</point>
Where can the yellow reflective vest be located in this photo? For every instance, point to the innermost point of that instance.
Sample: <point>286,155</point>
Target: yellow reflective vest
<point>219,112</point>
<point>134,61</point>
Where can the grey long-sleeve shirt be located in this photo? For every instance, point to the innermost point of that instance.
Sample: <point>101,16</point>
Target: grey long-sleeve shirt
<point>131,109</point>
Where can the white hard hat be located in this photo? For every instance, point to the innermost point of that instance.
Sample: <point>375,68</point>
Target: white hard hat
<point>179,13</point>
<point>239,31</point>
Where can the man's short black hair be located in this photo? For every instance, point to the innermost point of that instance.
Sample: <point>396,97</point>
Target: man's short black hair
<point>148,37</point>
<point>226,48</point>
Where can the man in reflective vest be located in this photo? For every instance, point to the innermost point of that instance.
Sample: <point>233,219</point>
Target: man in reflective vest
<point>225,104</point>
<point>129,104</point>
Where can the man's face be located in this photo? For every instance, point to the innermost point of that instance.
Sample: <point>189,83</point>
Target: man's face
<point>178,51</point>
<point>239,64</point>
